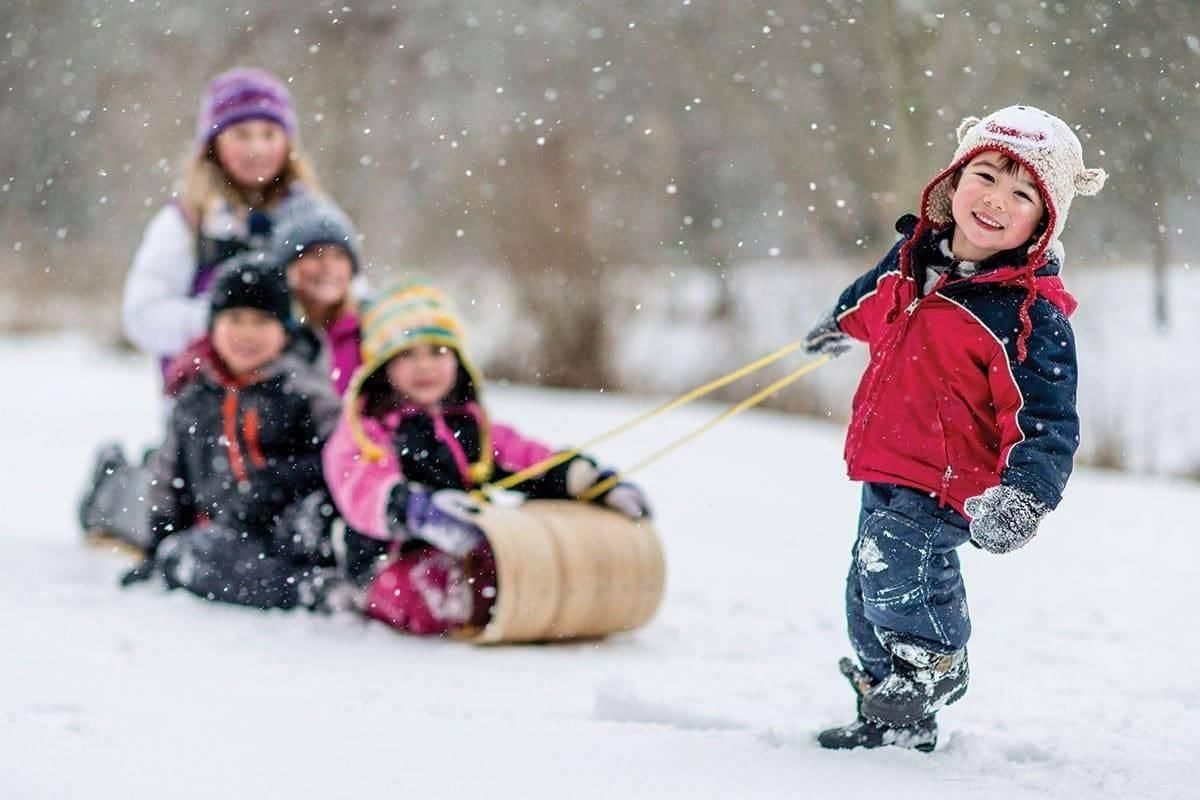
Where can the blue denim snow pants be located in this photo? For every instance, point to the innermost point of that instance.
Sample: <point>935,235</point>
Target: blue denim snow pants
<point>904,580</point>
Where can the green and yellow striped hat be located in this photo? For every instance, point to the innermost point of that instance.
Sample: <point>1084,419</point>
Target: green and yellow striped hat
<point>403,315</point>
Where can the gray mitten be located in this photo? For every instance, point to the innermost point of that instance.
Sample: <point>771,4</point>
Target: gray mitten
<point>1004,518</point>
<point>826,338</point>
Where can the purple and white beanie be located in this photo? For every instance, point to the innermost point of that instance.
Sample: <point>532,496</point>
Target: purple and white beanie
<point>240,94</point>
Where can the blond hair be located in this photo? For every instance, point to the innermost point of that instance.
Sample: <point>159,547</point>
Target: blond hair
<point>205,181</point>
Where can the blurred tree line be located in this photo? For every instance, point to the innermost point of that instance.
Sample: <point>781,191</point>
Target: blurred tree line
<point>562,143</point>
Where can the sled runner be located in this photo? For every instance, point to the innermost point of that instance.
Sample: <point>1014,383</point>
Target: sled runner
<point>107,542</point>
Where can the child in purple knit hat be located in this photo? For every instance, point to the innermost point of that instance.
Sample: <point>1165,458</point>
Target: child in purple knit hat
<point>244,169</point>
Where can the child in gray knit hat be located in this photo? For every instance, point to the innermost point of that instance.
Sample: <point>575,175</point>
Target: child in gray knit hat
<point>964,425</point>
<point>317,247</point>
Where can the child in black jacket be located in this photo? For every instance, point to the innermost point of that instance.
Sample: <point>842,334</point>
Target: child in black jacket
<point>241,455</point>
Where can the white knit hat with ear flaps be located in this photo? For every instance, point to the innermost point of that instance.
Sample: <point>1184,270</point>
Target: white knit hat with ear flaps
<point>1042,143</point>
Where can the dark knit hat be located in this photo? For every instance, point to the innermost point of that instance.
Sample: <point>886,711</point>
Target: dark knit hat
<point>310,222</point>
<point>241,94</point>
<point>248,280</point>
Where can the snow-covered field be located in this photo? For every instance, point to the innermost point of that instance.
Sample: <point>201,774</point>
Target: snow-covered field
<point>1083,659</point>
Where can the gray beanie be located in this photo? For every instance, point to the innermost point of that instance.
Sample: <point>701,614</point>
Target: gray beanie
<point>309,222</point>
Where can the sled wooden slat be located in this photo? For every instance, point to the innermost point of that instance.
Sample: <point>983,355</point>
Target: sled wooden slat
<point>568,570</point>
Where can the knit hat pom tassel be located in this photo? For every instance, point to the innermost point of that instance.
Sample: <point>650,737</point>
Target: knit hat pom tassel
<point>1090,181</point>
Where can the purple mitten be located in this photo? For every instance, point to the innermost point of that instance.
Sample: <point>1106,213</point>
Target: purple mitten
<point>444,519</point>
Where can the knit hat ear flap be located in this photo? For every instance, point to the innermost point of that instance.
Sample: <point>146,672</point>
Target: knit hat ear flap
<point>965,126</point>
<point>1090,181</point>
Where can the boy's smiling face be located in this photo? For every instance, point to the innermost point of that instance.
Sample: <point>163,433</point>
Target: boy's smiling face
<point>995,207</point>
<point>247,339</point>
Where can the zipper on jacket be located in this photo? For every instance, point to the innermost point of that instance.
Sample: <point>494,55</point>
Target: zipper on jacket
<point>442,433</point>
<point>947,476</point>
<point>229,413</point>
<point>250,428</point>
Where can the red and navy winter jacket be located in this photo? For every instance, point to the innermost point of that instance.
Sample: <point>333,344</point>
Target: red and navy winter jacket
<point>968,386</point>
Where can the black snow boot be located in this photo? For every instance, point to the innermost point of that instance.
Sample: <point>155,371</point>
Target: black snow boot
<point>328,593</point>
<point>921,683</point>
<point>109,459</point>
<point>870,734</point>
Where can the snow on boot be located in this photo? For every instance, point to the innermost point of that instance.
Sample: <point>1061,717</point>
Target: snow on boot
<point>921,683</point>
<point>328,594</point>
<point>109,459</point>
<point>869,734</point>
<point>861,681</point>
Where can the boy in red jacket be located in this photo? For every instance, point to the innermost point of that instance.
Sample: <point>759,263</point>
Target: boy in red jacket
<point>964,425</point>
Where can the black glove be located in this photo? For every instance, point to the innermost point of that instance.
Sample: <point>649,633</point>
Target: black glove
<point>1004,518</point>
<point>826,338</point>
<point>144,571</point>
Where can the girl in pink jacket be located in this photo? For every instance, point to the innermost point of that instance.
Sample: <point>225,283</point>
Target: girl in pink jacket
<point>413,439</point>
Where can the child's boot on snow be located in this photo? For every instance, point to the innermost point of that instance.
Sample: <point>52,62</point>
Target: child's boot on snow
<point>109,459</point>
<point>921,683</point>
<point>327,593</point>
<point>868,733</point>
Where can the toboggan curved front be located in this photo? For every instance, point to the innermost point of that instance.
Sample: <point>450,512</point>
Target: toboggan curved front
<point>569,570</point>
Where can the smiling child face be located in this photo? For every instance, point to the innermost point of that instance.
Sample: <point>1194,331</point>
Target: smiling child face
<point>424,374</point>
<point>252,152</point>
<point>320,278</point>
<point>247,339</point>
<point>995,208</point>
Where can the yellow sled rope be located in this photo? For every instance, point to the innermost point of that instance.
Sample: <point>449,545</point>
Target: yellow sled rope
<point>540,467</point>
<point>737,408</point>
<point>567,569</point>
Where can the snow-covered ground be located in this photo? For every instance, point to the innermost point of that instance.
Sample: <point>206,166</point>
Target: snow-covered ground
<point>1083,657</point>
